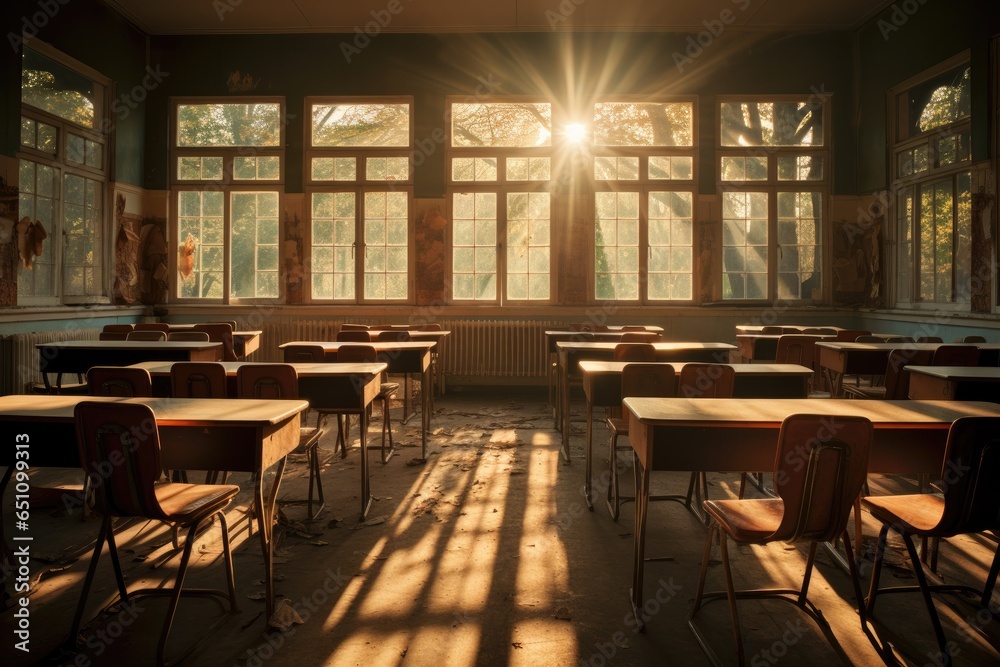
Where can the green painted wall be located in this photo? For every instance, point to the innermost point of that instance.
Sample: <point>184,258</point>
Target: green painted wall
<point>904,40</point>
<point>96,36</point>
<point>558,66</point>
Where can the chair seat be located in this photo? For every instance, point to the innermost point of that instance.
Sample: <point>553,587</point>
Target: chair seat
<point>617,426</point>
<point>186,503</point>
<point>914,513</point>
<point>308,437</point>
<point>388,388</point>
<point>747,520</point>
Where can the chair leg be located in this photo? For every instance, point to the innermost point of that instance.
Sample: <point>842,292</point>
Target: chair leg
<point>876,571</point>
<point>918,572</point>
<point>731,594</point>
<point>712,528</point>
<point>315,479</point>
<point>175,596</point>
<point>74,633</point>
<point>227,554</point>
<point>991,579</point>
<point>852,565</point>
<point>116,563</point>
<point>612,496</point>
<point>810,561</point>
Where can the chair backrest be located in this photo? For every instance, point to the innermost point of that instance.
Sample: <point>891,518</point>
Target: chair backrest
<point>193,336</point>
<point>796,349</point>
<point>127,435</point>
<point>583,326</point>
<point>220,332</point>
<point>898,339</point>
<point>347,326</point>
<point>970,339</point>
<point>354,335</point>
<point>305,353</point>
<point>929,339</point>
<point>270,381</point>
<point>701,380</point>
<point>869,339</point>
<point>897,376</point>
<point>639,336</point>
<point>198,379</point>
<point>118,328</point>
<point>643,379</point>
<point>427,327</point>
<point>820,467</point>
<point>956,355</point>
<point>152,326</point>
<point>394,336</point>
<point>119,381</point>
<point>146,334</point>
<point>969,477</point>
<point>112,335</point>
<point>851,335</point>
<point>820,331</point>
<point>357,354</point>
<point>771,331</point>
<point>634,352</point>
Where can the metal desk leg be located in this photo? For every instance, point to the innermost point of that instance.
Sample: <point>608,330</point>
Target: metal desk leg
<point>588,482</point>
<point>425,413</point>
<point>265,523</point>
<point>366,492</point>
<point>639,539</point>
<point>564,378</point>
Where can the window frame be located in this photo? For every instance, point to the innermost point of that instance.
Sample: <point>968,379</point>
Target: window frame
<point>502,187</point>
<point>227,185</point>
<point>644,186</point>
<point>772,186</point>
<point>361,185</point>
<point>103,133</point>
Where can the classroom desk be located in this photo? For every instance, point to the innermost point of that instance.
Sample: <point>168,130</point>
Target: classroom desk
<point>762,347</point>
<point>195,434</point>
<point>340,388</point>
<point>602,387</point>
<point>79,356</point>
<point>741,435</point>
<point>402,357</point>
<point>245,343</point>
<point>571,353</point>
<point>955,383</point>
<point>785,328</point>
<point>837,359</point>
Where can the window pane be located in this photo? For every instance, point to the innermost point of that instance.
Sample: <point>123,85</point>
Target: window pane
<point>386,245</point>
<point>333,235</point>
<point>360,125</point>
<point>528,169</point>
<point>771,124</point>
<point>254,230</point>
<point>738,168</point>
<point>800,168</point>
<point>334,169</point>
<point>199,168</point>
<point>744,245</point>
<point>528,246</point>
<point>474,246</point>
<point>201,238</point>
<point>82,254</point>
<point>229,124</point>
<point>57,89</point>
<point>940,101</point>
<point>799,234</point>
<point>675,168</point>
<point>37,200</point>
<point>256,168</point>
<point>670,245</point>
<point>501,124</point>
<point>616,246</point>
<point>643,124</point>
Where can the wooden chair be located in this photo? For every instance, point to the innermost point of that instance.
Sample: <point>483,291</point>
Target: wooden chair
<point>897,378</point>
<point>354,336</point>
<point>701,380</point>
<point>929,339</point>
<point>898,339</point>
<point>124,381</point>
<point>112,335</point>
<point>304,354</point>
<point>198,379</point>
<point>798,349</point>
<point>394,336</point>
<point>152,326</point>
<point>969,504</point>
<point>115,331</point>
<point>634,352</point>
<point>639,337</point>
<point>367,354</point>
<point>191,336</point>
<point>813,504</point>
<point>121,432</point>
<point>869,339</point>
<point>851,335</point>
<point>771,331</point>
<point>146,334</point>
<point>220,332</point>
<point>820,331</point>
<point>641,379</point>
<point>280,381</point>
<point>956,355</point>
<point>970,339</point>
<point>347,326</point>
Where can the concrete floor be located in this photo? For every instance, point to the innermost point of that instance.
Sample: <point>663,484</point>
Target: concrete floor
<point>483,555</point>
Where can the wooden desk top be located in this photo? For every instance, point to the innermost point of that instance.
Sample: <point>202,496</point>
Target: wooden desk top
<point>596,367</point>
<point>844,346</point>
<point>307,369</point>
<point>659,345</point>
<point>959,373</point>
<point>769,413</point>
<point>757,328</point>
<point>378,345</point>
<point>129,345</point>
<point>168,411</point>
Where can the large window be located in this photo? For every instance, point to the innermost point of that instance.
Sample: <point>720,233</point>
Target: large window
<point>227,186</point>
<point>773,165</point>
<point>932,183</point>
<point>360,188</point>
<point>644,175</point>
<point>500,165</point>
<point>63,178</point>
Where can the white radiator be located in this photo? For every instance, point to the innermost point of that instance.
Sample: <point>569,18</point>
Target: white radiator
<point>19,357</point>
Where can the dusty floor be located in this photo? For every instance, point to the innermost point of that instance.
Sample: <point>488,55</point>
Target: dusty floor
<point>483,555</point>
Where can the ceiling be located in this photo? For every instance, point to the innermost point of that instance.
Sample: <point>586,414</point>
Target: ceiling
<point>423,16</point>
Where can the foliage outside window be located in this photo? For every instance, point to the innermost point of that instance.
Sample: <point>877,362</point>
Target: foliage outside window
<point>359,165</point>
<point>500,167</point>
<point>932,183</point>
<point>772,164</point>
<point>62,177</point>
<point>644,204</point>
<point>227,177</point>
